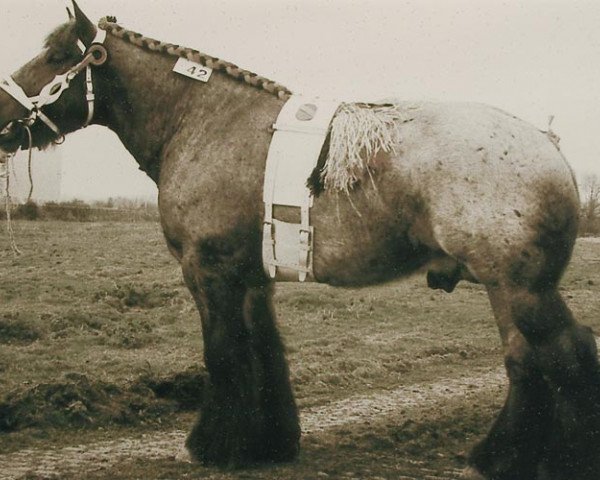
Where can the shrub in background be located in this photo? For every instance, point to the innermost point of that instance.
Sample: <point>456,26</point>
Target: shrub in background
<point>27,211</point>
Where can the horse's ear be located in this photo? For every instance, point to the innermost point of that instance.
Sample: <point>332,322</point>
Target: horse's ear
<point>85,28</point>
<point>69,13</point>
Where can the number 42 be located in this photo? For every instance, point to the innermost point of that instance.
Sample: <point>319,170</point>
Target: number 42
<point>194,70</point>
<point>197,71</point>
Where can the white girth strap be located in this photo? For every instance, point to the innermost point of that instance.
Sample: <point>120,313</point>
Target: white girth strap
<point>300,131</point>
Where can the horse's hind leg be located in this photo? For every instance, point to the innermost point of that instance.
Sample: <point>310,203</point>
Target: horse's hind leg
<point>249,414</point>
<point>567,357</point>
<point>550,425</point>
<point>515,445</point>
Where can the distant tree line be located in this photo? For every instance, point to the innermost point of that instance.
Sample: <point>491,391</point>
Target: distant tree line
<point>113,209</point>
<point>590,205</point>
<point>139,210</point>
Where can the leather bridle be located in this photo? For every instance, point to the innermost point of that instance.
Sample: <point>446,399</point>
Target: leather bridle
<point>93,56</point>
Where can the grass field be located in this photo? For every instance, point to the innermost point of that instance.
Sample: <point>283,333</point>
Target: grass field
<point>99,340</point>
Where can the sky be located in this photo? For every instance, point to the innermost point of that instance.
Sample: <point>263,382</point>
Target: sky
<point>533,58</point>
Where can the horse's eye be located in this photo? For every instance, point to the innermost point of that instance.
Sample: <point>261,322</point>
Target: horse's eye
<point>57,57</point>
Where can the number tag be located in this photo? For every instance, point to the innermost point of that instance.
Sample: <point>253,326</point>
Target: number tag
<point>192,69</point>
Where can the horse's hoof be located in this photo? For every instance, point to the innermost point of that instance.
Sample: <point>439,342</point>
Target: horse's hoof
<point>183,456</point>
<point>227,435</point>
<point>471,473</point>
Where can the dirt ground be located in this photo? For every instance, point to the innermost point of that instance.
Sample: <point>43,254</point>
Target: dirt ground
<point>100,373</point>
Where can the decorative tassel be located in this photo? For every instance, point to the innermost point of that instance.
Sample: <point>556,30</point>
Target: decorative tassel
<point>358,133</point>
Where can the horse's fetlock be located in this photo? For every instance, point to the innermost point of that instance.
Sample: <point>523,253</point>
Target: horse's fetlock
<point>534,329</point>
<point>519,360</point>
<point>223,361</point>
<point>570,358</point>
<point>518,370</point>
<point>541,316</point>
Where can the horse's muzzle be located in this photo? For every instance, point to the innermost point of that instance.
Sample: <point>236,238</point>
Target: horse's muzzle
<point>11,136</point>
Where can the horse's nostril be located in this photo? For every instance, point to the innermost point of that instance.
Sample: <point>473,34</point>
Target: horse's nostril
<point>11,128</point>
<point>7,129</point>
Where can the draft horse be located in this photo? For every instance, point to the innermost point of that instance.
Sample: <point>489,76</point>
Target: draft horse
<point>470,191</point>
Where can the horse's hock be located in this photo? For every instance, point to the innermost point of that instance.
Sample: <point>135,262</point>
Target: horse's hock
<point>481,194</point>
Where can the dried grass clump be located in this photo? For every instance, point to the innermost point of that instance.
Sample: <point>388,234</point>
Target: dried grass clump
<point>358,133</point>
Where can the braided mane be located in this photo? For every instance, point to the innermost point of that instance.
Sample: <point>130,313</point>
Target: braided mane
<point>230,69</point>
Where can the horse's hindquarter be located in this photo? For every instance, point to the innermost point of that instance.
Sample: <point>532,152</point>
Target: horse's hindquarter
<point>468,181</point>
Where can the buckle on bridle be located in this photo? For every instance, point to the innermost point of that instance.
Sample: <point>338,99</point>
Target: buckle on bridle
<point>98,53</point>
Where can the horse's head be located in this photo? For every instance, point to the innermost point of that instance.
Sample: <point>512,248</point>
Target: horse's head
<point>52,94</point>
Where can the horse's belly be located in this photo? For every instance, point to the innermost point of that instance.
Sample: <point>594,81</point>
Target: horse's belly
<point>365,240</point>
<point>357,261</point>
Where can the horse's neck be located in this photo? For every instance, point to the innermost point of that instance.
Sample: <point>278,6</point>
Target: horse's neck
<point>150,105</point>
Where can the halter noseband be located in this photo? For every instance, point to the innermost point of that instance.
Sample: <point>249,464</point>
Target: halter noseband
<point>94,55</point>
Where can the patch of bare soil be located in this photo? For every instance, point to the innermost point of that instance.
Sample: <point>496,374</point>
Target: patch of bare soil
<point>406,401</point>
<point>404,406</point>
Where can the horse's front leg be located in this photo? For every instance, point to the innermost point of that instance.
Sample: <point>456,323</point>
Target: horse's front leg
<point>249,414</point>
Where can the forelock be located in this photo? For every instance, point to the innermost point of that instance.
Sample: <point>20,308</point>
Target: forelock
<point>63,37</point>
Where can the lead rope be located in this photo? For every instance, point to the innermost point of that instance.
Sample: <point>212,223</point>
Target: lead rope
<point>29,159</point>
<point>5,165</point>
<point>8,203</point>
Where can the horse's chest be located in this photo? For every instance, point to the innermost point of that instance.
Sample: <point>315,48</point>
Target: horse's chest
<point>196,204</point>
